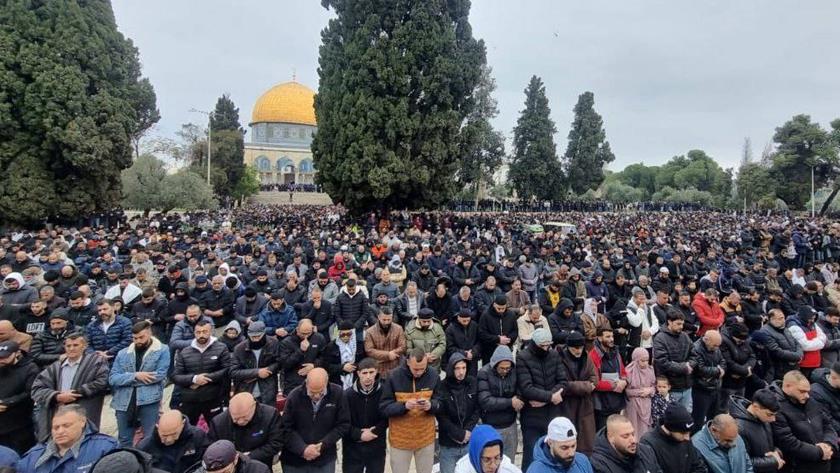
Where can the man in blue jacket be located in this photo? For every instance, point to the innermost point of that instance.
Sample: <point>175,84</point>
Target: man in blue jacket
<point>137,380</point>
<point>556,452</point>
<point>74,446</point>
<point>111,333</point>
<point>278,317</point>
<point>485,453</point>
<point>721,447</point>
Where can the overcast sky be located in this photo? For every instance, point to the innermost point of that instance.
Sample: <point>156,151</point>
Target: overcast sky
<point>668,75</point>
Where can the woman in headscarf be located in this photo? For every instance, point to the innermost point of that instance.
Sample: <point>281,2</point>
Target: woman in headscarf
<point>641,386</point>
<point>592,321</point>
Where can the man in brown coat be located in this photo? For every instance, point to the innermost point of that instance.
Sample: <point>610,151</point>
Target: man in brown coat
<point>385,342</point>
<point>577,398</point>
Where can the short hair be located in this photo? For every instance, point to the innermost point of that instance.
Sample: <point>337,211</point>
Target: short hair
<point>386,310</point>
<point>71,408</point>
<point>148,292</point>
<point>710,292</point>
<point>836,367</point>
<point>673,314</point>
<point>367,363</point>
<point>105,301</point>
<point>773,312</point>
<point>616,419</point>
<point>202,322</point>
<point>663,378</point>
<point>794,376</point>
<point>76,295</point>
<point>417,354</point>
<point>601,331</point>
<point>832,312</point>
<point>637,290</point>
<point>76,335</point>
<point>140,326</point>
<point>766,399</point>
<point>193,306</point>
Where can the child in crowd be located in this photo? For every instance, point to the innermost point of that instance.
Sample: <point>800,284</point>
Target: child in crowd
<point>660,401</point>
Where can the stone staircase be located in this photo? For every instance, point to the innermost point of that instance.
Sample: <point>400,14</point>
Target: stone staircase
<point>300,198</point>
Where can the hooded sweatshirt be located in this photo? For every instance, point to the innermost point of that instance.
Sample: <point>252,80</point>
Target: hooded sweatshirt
<point>482,436</point>
<point>545,462</point>
<point>458,405</point>
<point>20,297</point>
<point>495,393</point>
<point>231,343</point>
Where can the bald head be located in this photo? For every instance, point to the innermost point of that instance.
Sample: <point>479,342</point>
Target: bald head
<point>242,408</point>
<point>724,429</point>
<point>305,328</point>
<point>7,330</point>
<point>316,383</point>
<point>712,340</point>
<point>169,427</point>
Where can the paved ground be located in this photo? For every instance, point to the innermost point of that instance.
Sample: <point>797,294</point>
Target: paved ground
<point>109,426</point>
<point>282,198</point>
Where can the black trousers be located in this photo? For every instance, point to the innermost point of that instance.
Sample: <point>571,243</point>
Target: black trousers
<point>704,406</point>
<point>530,435</point>
<point>365,461</point>
<point>194,410</point>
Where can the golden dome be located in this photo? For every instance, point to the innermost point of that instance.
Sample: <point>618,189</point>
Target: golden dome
<point>289,102</point>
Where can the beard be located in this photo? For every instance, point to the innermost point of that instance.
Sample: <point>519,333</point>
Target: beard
<point>202,340</point>
<point>385,327</point>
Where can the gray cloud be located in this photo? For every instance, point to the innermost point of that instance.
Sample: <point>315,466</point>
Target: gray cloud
<point>668,76</point>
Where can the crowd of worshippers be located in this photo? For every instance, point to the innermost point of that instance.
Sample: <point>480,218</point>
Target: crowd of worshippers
<point>681,341</point>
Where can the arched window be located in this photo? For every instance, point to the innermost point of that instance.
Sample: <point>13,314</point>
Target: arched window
<point>307,166</point>
<point>283,164</point>
<point>262,163</point>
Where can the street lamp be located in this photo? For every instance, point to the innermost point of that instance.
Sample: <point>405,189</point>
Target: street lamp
<point>209,137</point>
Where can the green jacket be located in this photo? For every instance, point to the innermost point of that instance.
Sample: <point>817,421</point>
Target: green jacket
<point>432,340</point>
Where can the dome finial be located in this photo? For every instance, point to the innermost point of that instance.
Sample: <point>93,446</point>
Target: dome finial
<point>294,74</point>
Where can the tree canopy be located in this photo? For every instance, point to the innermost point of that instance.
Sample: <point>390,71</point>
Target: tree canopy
<point>72,106</point>
<point>588,151</point>
<point>147,186</point>
<point>396,85</point>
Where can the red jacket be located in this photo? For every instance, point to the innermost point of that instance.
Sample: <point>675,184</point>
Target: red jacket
<point>603,384</point>
<point>710,314</point>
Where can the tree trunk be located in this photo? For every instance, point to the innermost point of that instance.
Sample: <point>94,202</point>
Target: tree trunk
<point>827,203</point>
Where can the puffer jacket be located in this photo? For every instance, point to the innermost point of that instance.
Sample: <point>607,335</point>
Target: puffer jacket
<point>538,377</point>
<point>757,436</point>
<point>180,456</point>
<point>673,455</point>
<point>117,337</point>
<point>561,325</point>
<point>491,325</point>
<point>285,318</point>
<point>47,347</point>
<point>797,430</point>
<point>351,308</point>
<point>214,360</point>
<point>827,396</point>
<point>671,351</point>
<point>244,369</point>
<point>291,357</point>
<point>782,352</point>
<point>605,458</point>
<point>458,406</point>
<point>831,351</point>
<point>416,429</point>
<point>20,297</point>
<point>738,359</point>
<point>155,360</point>
<point>706,366</point>
<point>495,393</point>
<point>261,438</point>
<point>183,333</point>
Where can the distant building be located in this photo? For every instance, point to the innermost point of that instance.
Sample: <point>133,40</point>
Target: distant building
<point>282,127</point>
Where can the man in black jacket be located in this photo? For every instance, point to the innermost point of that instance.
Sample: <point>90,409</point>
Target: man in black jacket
<point>174,445</point>
<point>802,431</point>
<point>48,346</point>
<point>299,353</point>
<point>740,363</point>
<point>462,338</point>
<point>153,309</point>
<point>671,442</point>
<point>708,367</point>
<point>17,372</point>
<point>754,419</point>
<point>255,365</point>
<point>352,305</point>
<point>217,303</point>
<point>221,457</point>
<point>201,370</point>
<point>541,378</point>
<point>497,326</point>
<point>671,354</point>
<point>363,447</point>
<point>316,418</point>
<point>497,397</point>
<point>617,451</point>
<point>458,412</point>
<point>825,391</point>
<point>254,428</point>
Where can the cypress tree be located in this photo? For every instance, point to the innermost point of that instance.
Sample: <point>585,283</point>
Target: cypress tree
<point>396,84</point>
<point>588,150</point>
<point>72,105</point>
<point>535,170</point>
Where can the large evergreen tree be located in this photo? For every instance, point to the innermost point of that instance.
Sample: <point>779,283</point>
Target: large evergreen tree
<point>801,145</point>
<point>396,84</point>
<point>228,146</point>
<point>72,105</point>
<point>483,148</point>
<point>535,170</point>
<point>588,150</point>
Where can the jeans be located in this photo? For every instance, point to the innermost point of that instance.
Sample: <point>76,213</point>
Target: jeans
<point>683,397</point>
<point>424,459</point>
<point>449,456</point>
<point>510,440</point>
<point>147,416</point>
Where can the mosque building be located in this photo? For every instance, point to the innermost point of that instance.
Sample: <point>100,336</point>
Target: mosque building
<point>282,126</point>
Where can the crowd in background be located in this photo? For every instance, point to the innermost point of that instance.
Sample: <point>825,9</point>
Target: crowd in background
<point>640,340</point>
